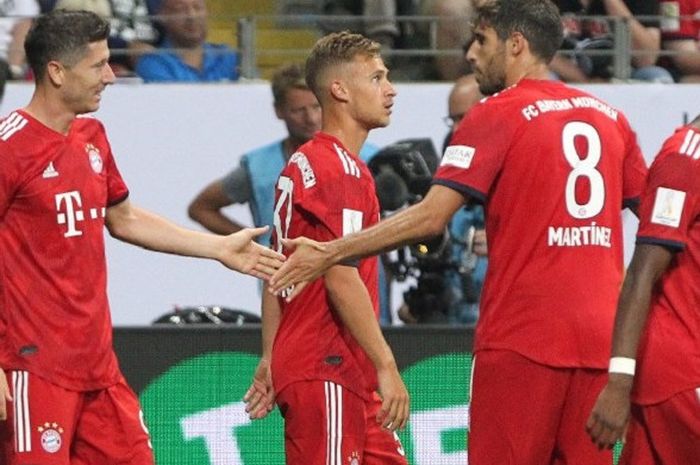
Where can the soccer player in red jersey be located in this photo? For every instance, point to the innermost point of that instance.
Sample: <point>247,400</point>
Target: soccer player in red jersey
<point>659,302</point>
<point>329,357</point>
<point>63,399</point>
<point>554,167</point>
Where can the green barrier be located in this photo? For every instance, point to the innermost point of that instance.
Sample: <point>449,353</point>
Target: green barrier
<point>195,413</point>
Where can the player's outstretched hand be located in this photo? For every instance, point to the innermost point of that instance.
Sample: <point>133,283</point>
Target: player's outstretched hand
<point>610,415</point>
<point>395,402</point>
<point>260,397</point>
<point>309,260</point>
<point>5,396</point>
<point>242,254</point>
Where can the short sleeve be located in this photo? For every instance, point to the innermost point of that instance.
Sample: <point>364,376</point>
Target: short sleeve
<point>236,185</point>
<point>474,157</point>
<point>670,201</point>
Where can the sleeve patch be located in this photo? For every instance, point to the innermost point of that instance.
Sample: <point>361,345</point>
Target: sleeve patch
<point>307,173</point>
<point>668,207</point>
<point>352,221</point>
<point>458,155</point>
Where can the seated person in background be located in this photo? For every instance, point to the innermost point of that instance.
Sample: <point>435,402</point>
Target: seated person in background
<point>378,18</point>
<point>15,20</point>
<point>132,33</point>
<point>184,55</point>
<point>596,34</point>
<point>680,33</point>
<point>451,33</point>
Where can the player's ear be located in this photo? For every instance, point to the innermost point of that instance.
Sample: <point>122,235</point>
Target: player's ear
<point>55,72</point>
<point>339,90</point>
<point>516,43</point>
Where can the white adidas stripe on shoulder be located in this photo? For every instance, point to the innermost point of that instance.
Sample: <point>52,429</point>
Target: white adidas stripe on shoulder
<point>11,125</point>
<point>349,165</point>
<point>691,144</point>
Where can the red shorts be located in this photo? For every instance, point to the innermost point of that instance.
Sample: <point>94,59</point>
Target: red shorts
<point>525,413</point>
<point>49,425</point>
<point>325,424</point>
<point>667,433</point>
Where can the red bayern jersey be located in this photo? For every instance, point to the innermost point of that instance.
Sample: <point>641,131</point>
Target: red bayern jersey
<point>669,353</point>
<point>54,191</point>
<point>554,166</point>
<point>323,193</point>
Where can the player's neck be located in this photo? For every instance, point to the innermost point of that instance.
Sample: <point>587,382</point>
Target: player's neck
<point>50,113</point>
<point>536,71</point>
<point>347,130</point>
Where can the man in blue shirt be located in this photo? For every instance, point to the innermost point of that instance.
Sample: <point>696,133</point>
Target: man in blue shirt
<point>184,55</point>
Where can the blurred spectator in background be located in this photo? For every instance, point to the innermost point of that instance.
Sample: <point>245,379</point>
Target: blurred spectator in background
<point>46,5</point>
<point>15,20</point>
<point>453,31</point>
<point>680,33</point>
<point>378,18</point>
<point>185,55</point>
<point>253,181</point>
<point>131,31</point>
<point>590,34</point>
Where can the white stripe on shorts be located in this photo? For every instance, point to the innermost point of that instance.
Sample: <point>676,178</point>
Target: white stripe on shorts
<point>20,406</point>
<point>334,423</point>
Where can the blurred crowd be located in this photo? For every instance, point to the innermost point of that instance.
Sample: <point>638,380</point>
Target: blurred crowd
<point>167,40</point>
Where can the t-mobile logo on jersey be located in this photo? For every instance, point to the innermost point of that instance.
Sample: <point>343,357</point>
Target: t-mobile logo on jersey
<point>69,207</point>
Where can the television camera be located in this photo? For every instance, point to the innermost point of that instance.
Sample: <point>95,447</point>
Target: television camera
<point>403,173</point>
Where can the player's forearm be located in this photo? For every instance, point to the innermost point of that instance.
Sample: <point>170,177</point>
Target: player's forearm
<point>647,265</point>
<point>647,39</point>
<point>425,219</point>
<point>351,300</point>
<point>271,316</point>
<point>148,230</point>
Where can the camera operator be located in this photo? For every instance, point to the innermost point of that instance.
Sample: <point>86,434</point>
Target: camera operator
<point>467,225</point>
<point>452,268</point>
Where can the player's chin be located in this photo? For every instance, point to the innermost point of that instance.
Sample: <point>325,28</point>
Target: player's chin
<point>383,121</point>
